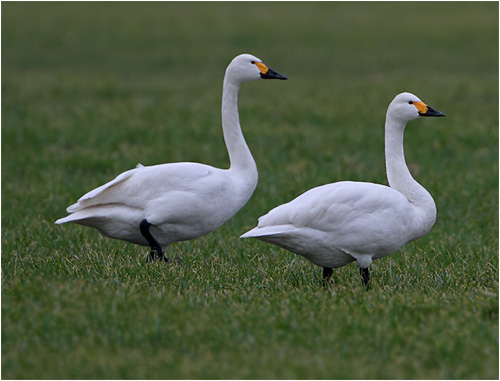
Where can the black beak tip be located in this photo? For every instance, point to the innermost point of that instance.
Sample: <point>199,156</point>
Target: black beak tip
<point>271,74</point>
<point>432,112</point>
<point>439,113</point>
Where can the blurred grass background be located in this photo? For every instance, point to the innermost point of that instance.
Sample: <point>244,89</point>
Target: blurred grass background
<point>91,89</point>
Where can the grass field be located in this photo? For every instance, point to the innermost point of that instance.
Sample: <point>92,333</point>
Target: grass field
<point>91,89</point>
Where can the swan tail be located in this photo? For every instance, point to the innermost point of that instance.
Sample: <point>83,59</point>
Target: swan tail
<point>75,217</point>
<point>63,220</point>
<point>84,214</point>
<point>267,231</point>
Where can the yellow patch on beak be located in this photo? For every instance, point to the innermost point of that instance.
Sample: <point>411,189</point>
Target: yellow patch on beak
<point>421,107</point>
<point>263,68</point>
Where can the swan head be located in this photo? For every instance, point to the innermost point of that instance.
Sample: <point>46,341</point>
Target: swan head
<point>247,67</point>
<point>407,106</point>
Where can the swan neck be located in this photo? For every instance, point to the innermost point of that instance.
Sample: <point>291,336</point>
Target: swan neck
<point>398,174</point>
<point>240,157</point>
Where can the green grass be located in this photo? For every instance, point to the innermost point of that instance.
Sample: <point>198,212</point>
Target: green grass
<point>91,89</point>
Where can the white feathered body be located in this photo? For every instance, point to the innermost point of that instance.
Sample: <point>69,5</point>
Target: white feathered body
<point>335,224</point>
<point>180,200</point>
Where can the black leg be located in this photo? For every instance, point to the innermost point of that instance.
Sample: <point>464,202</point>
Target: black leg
<point>327,273</point>
<point>365,276</point>
<point>156,249</point>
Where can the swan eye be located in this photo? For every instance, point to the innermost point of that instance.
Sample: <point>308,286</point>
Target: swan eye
<point>410,102</point>
<point>253,62</point>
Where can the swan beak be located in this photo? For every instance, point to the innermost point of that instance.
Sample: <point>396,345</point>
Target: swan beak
<point>267,73</point>
<point>424,110</point>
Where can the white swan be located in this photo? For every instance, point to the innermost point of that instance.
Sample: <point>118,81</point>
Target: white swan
<point>335,224</point>
<point>161,204</point>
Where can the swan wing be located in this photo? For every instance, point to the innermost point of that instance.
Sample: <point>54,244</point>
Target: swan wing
<point>139,186</point>
<point>93,194</point>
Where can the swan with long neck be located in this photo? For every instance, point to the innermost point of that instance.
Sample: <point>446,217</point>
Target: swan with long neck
<point>335,224</point>
<point>161,204</point>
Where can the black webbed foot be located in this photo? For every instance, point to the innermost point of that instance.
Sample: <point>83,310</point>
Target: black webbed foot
<point>327,273</point>
<point>365,276</point>
<point>156,254</point>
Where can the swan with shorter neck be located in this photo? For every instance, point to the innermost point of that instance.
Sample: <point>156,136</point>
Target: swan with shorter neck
<point>335,224</point>
<point>161,204</point>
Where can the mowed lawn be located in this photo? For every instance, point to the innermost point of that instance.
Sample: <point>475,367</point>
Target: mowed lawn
<point>91,89</point>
